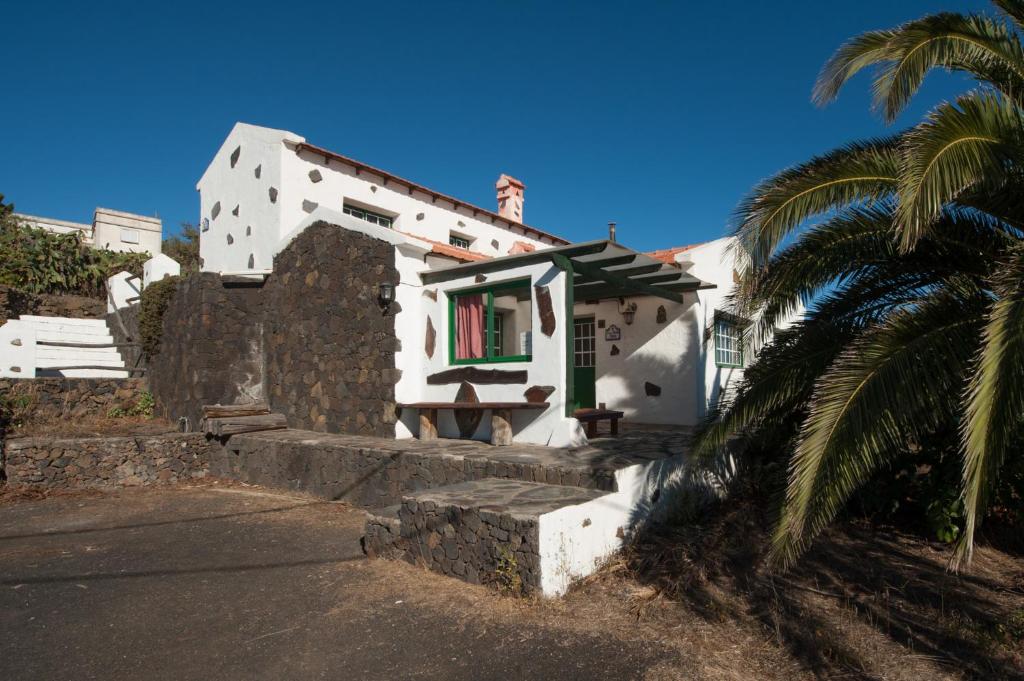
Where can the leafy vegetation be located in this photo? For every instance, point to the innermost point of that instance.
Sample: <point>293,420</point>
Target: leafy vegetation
<point>907,369</point>
<point>155,299</point>
<point>38,261</point>
<point>184,248</point>
<point>143,407</point>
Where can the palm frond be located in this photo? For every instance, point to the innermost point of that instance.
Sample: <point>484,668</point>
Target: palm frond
<point>995,410</point>
<point>983,47</point>
<point>895,382</point>
<point>856,174</point>
<point>957,147</point>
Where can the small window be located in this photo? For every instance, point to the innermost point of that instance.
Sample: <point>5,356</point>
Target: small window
<point>458,241</point>
<point>491,324</point>
<point>368,216</point>
<point>129,236</point>
<point>728,343</point>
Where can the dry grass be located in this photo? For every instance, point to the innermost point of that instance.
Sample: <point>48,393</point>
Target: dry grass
<point>92,426</point>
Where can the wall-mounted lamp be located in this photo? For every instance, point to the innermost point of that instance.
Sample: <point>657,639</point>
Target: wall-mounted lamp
<point>385,294</point>
<point>627,310</point>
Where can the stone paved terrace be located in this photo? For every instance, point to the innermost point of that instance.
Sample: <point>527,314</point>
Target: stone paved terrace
<point>447,461</point>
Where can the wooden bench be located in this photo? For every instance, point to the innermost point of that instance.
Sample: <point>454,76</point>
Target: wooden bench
<point>592,416</point>
<point>501,417</point>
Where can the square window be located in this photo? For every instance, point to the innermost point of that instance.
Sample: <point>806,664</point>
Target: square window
<point>491,324</point>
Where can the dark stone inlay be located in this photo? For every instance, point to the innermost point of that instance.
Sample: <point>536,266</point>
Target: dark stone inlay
<point>547,313</point>
<point>431,338</point>
<point>467,419</point>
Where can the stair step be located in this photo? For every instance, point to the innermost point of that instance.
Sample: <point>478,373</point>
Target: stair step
<point>487,530</point>
<point>38,320</point>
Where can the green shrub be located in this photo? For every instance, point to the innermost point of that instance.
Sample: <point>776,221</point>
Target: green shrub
<point>142,407</point>
<point>38,261</point>
<point>155,299</point>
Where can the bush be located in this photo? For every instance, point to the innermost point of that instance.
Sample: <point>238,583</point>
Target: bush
<point>155,299</point>
<point>38,261</point>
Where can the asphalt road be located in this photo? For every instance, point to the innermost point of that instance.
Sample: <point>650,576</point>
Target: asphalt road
<point>201,583</point>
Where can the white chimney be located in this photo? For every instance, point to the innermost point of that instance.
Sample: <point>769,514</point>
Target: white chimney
<point>510,198</point>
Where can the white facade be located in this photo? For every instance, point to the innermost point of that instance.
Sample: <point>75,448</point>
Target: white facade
<point>262,183</point>
<point>265,186</point>
<point>112,230</point>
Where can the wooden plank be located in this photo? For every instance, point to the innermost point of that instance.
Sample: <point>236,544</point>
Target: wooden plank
<point>62,344</point>
<point>477,375</point>
<point>475,405</point>
<point>235,425</point>
<point>217,411</point>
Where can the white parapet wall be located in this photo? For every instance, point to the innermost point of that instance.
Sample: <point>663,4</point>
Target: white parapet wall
<point>159,267</point>
<point>576,540</point>
<point>122,289</point>
<point>17,350</point>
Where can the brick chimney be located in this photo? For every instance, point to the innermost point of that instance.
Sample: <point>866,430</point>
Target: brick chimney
<point>510,198</point>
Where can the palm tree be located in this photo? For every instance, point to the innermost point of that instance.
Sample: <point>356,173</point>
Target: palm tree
<point>913,275</point>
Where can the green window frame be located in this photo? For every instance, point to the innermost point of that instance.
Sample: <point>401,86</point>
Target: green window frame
<point>728,344</point>
<point>458,241</point>
<point>492,352</point>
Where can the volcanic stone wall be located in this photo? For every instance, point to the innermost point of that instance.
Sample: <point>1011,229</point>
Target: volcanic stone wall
<point>312,340</point>
<point>330,349</point>
<point>107,461</point>
<point>211,351</point>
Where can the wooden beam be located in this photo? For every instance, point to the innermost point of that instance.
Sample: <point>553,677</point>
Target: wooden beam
<point>626,284</point>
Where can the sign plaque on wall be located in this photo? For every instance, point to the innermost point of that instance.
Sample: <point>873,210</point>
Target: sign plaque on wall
<point>612,333</point>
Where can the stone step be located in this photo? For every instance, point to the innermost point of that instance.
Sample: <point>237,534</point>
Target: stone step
<point>524,535</point>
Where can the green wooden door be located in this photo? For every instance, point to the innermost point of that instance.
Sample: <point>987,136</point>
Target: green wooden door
<point>584,356</point>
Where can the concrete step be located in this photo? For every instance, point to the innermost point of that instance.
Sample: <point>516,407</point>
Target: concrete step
<point>38,320</point>
<point>527,536</point>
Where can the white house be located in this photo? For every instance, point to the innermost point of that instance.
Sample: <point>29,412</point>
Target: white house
<point>112,230</point>
<point>488,300</point>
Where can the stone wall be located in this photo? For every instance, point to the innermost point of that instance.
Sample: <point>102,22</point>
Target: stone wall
<point>107,461</point>
<point>330,350</point>
<point>212,347</point>
<point>14,303</point>
<point>312,340</point>
<point>54,398</point>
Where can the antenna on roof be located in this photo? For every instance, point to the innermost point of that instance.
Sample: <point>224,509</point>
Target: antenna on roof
<point>611,232</point>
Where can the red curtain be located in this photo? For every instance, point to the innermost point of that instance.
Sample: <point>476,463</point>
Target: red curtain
<point>470,327</point>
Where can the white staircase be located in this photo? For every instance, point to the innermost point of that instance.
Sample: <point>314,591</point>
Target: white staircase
<point>56,338</point>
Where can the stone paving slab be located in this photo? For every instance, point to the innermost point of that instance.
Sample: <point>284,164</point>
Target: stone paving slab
<point>601,455</point>
<point>516,498</point>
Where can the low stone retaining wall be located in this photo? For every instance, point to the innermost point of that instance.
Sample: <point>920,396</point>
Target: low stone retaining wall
<point>52,398</point>
<point>14,303</point>
<point>107,461</point>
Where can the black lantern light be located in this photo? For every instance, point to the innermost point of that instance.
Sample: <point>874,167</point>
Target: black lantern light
<point>385,294</point>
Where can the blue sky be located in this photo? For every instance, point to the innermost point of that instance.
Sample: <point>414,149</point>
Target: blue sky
<point>660,116</point>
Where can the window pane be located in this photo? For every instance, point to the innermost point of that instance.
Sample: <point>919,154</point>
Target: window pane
<point>514,306</point>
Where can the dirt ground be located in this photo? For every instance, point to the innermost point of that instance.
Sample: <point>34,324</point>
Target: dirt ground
<point>231,582</point>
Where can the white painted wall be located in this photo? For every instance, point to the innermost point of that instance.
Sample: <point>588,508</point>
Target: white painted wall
<point>257,231</point>
<point>159,267</point>
<point>116,230</point>
<point>575,540</point>
<point>665,354</point>
<point>120,288</point>
<point>547,366</point>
